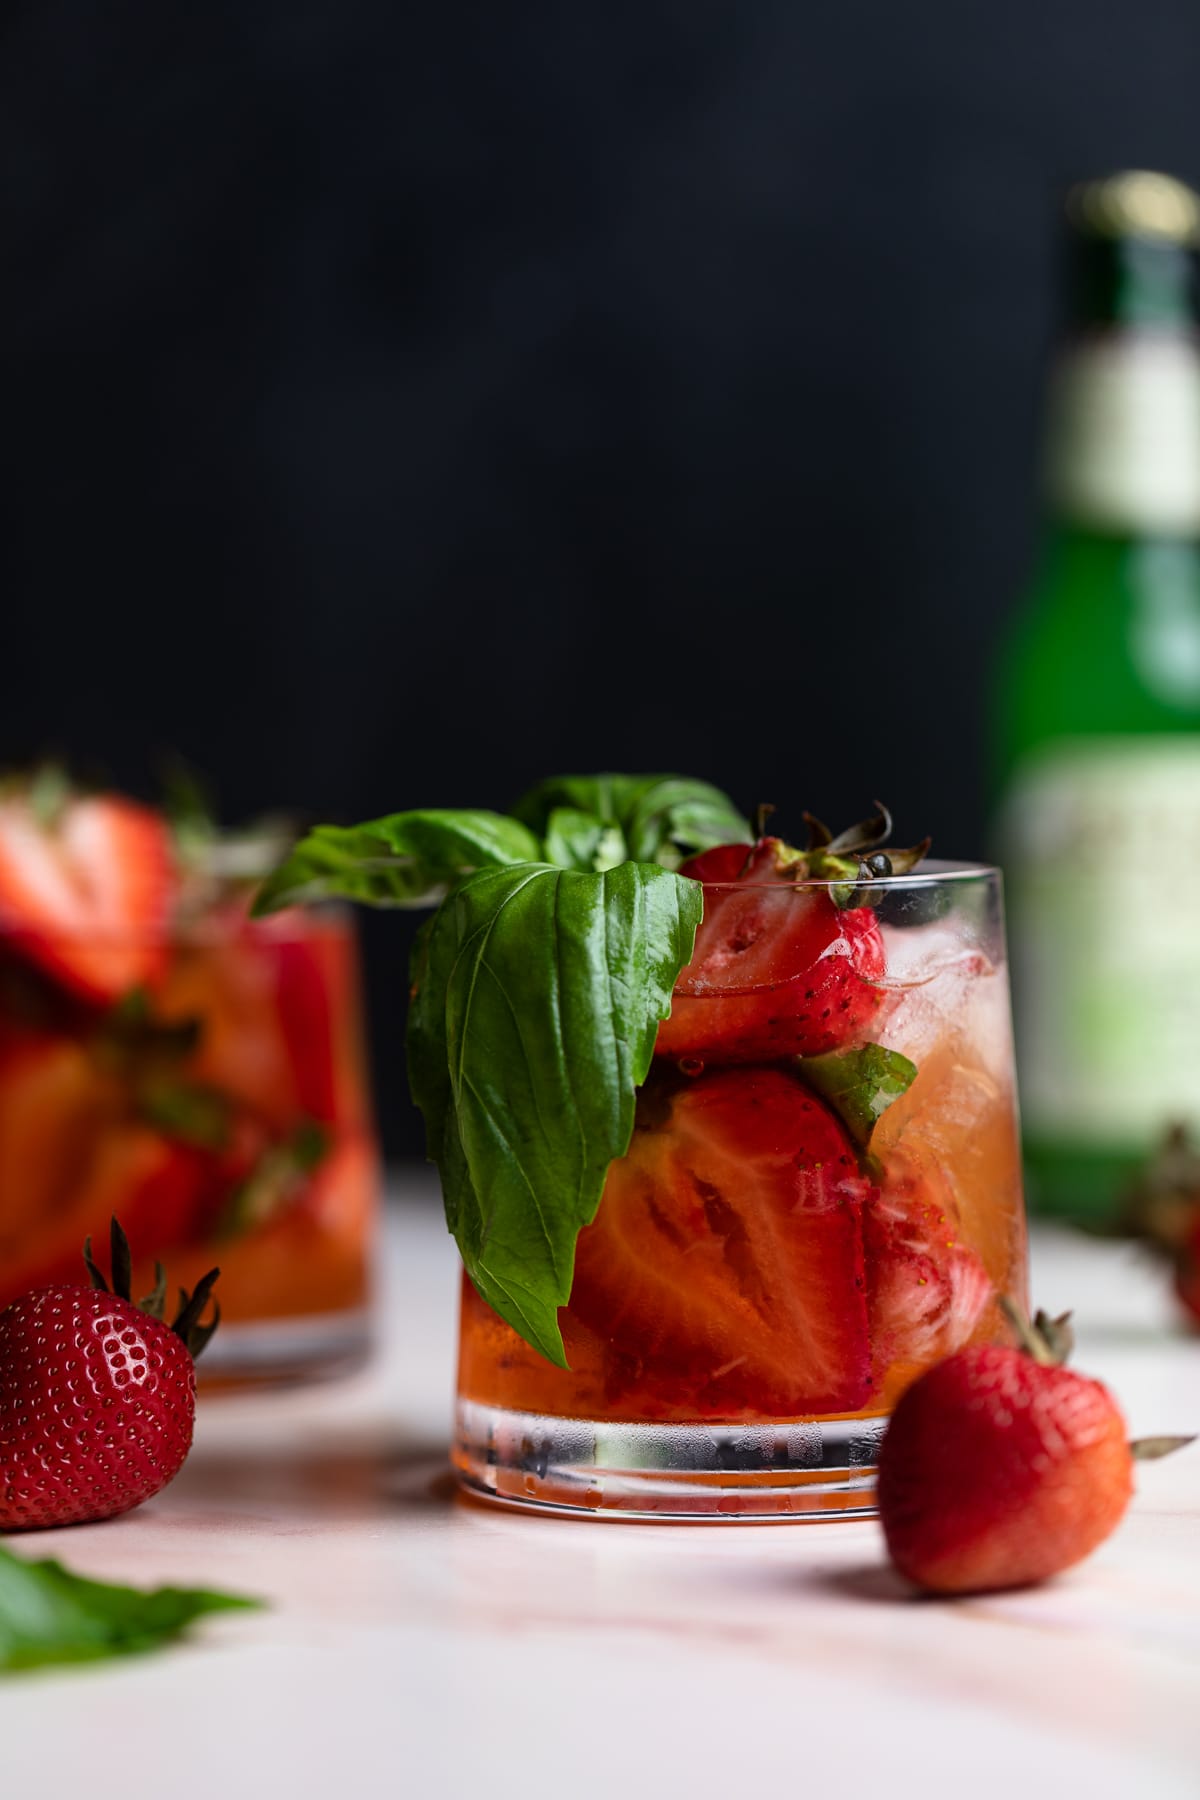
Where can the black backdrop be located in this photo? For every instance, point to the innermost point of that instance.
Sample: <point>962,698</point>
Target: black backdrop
<point>401,404</point>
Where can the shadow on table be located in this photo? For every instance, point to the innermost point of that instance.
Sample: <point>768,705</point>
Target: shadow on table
<point>344,1479</point>
<point>865,1581</point>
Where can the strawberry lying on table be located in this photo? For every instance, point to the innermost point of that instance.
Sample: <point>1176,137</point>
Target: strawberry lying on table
<point>97,1395</point>
<point>1002,1467</point>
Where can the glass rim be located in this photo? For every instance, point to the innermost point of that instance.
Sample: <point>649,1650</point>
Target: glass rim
<point>930,873</point>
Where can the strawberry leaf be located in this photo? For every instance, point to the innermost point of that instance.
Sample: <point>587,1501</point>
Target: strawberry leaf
<point>537,995</point>
<point>406,859</point>
<point>49,1615</point>
<point>1150,1449</point>
<point>859,1084</point>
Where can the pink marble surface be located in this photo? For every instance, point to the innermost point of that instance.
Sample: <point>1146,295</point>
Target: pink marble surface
<point>419,1643</point>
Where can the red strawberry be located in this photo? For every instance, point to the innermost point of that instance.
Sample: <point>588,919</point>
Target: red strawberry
<point>54,1102</point>
<point>778,970</point>
<point>97,1397</point>
<point>926,1291</point>
<point>85,892</point>
<point>230,979</point>
<point>169,1191</point>
<point>1001,1468</point>
<point>724,1268</point>
<point>315,959</point>
<point>1162,1208</point>
<point>782,967</point>
<point>1187,1273</point>
<point>726,862</point>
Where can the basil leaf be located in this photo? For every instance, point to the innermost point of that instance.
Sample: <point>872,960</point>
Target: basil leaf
<point>537,996</point>
<point>49,1615</point>
<point>406,859</point>
<point>686,815</point>
<point>859,1084</point>
<point>660,818</point>
<point>603,797</point>
<point>573,840</point>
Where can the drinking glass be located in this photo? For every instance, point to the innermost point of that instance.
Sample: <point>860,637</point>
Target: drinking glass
<point>791,1238</point>
<point>219,1110</point>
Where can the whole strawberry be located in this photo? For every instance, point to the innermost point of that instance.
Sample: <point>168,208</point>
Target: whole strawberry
<point>97,1396</point>
<point>1001,1467</point>
<point>1187,1274</point>
<point>1162,1209</point>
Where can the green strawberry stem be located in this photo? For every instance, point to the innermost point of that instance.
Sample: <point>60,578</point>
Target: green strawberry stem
<point>1048,1341</point>
<point>853,861</point>
<point>187,1321</point>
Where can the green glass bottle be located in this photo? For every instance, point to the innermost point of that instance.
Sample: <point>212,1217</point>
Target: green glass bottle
<point>1098,714</point>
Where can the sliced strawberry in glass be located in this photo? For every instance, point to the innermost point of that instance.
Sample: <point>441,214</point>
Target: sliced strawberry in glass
<point>161,1191</point>
<point>927,1291</point>
<point>311,1256</point>
<point>86,894</point>
<point>724,1271</point>
<point>316,997</point>
<point>230,985</point>
<point>54,1103</point>
<point>778,969</point>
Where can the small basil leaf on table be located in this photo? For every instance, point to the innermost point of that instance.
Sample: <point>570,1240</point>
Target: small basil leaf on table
<point>49,1615</point>
<point>537,996</point>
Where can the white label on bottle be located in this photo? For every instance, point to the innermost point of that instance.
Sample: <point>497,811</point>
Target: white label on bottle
<point>1124,439</point>
<point>1101,848</point>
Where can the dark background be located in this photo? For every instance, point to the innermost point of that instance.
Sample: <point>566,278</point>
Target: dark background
<point>399,405</point>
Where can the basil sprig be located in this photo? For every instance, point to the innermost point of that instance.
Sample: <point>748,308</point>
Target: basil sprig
<point>646,818</point>
<point>537,996</point>
<point>538,987</point>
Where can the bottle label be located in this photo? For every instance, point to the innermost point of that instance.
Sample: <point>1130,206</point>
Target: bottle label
<point>1101,846</point>
<point>1123,450</point>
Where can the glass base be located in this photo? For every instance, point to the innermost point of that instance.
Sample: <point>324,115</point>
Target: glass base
<point>280,1352</point>
<point>709,1474</point>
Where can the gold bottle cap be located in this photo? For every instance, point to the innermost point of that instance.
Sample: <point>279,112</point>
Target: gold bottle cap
<point>1137,203</point>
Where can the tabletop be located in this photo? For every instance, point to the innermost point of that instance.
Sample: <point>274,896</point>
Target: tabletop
<point>415,1640</point>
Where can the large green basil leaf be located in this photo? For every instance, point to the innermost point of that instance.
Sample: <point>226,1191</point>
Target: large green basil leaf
<point>647,818</point>
<point>537,996</point>
<point>49,1615</point>
<point>406,859</point>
